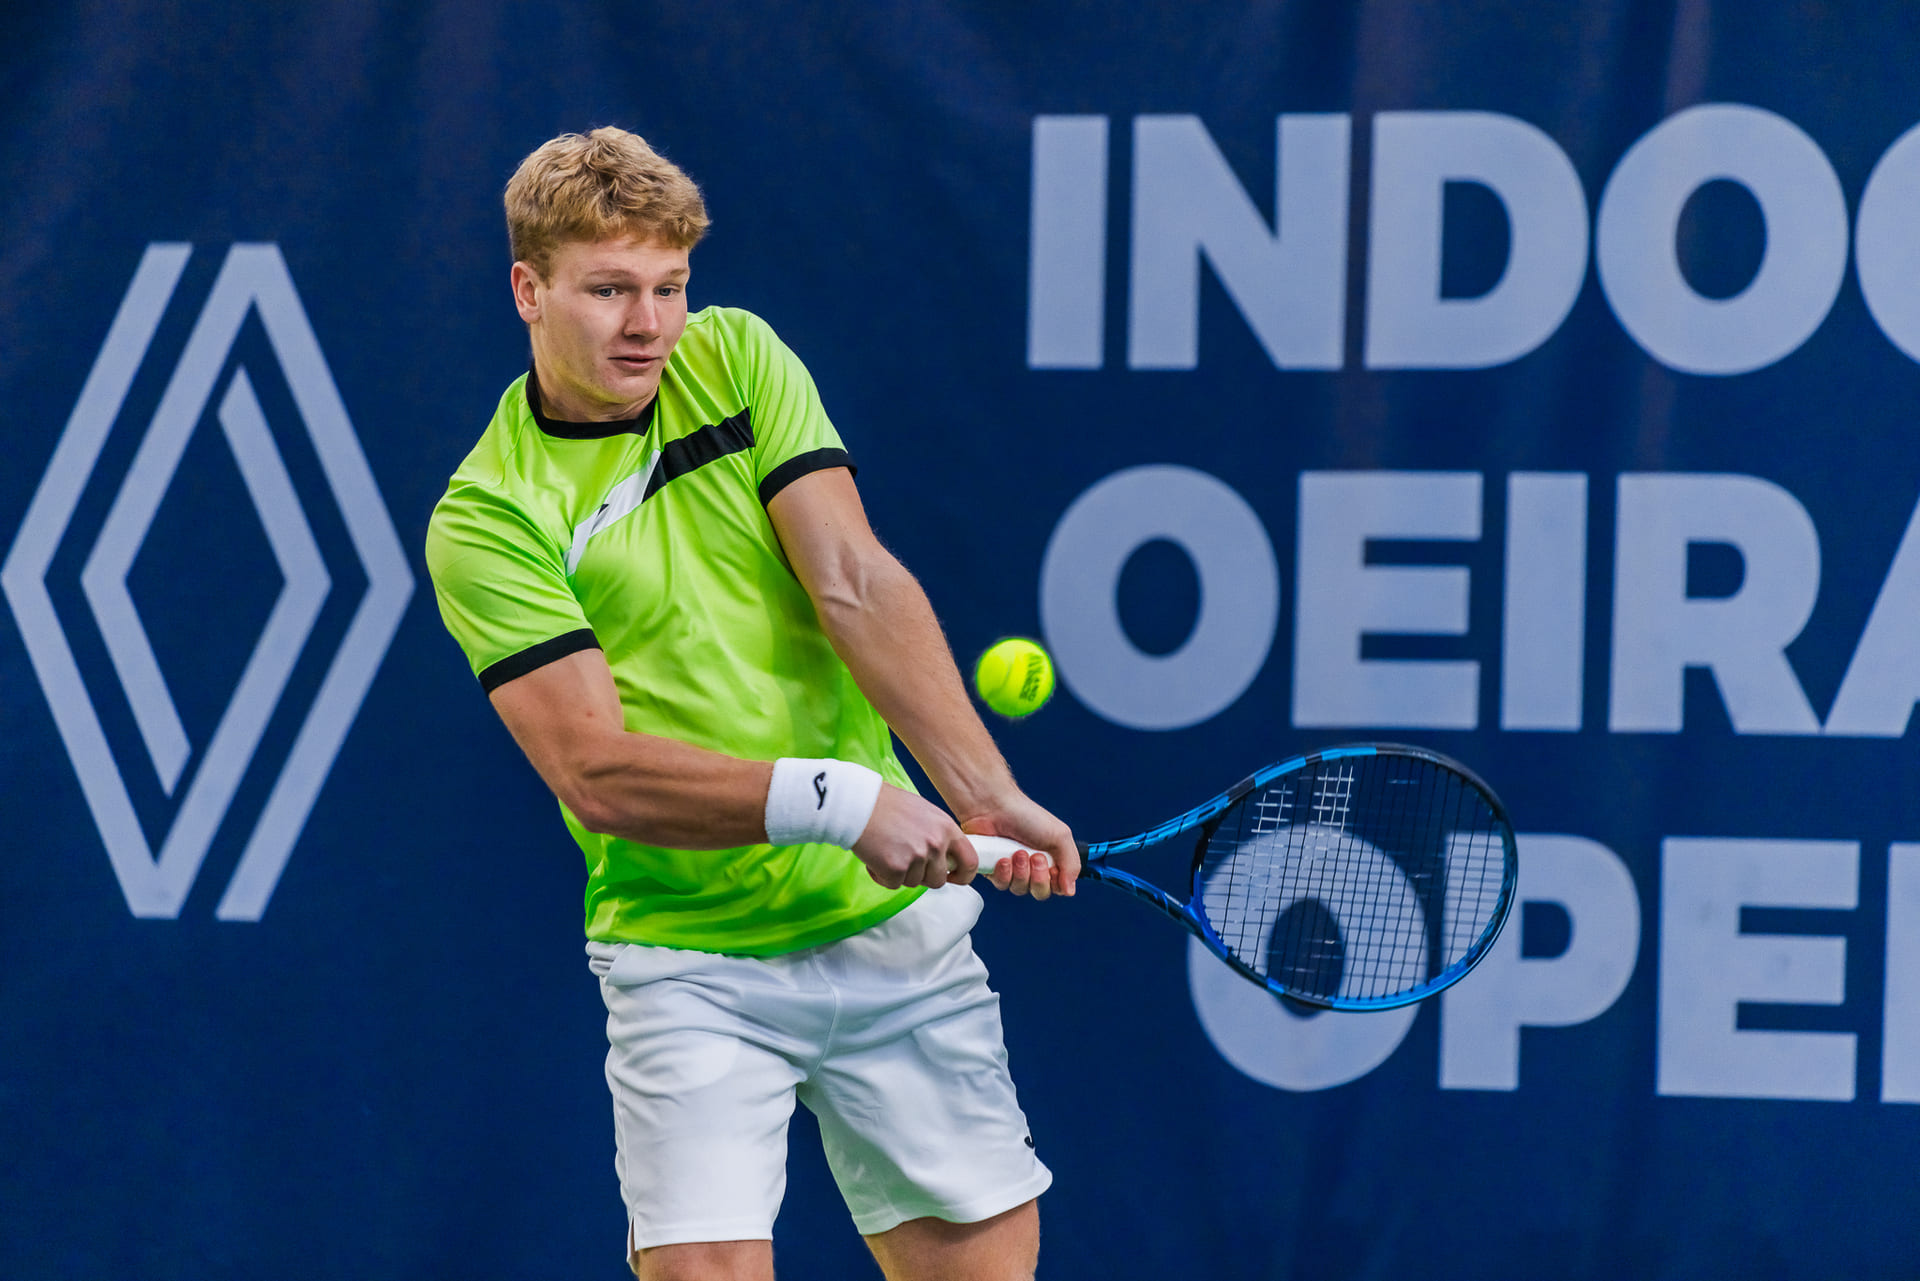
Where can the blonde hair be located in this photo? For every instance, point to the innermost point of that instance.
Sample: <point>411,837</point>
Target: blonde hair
<point>595,186</point>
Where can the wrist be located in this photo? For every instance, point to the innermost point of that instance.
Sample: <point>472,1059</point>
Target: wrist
<point>973,786</point>
<point>820,800</point>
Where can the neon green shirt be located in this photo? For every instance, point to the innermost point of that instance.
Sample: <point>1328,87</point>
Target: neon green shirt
<point>649,539</point>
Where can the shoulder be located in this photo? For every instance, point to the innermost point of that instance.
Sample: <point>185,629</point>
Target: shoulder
<point>487,484</point>
<point>730,358</point>
<point>492,458</point>
<point>727,330</point>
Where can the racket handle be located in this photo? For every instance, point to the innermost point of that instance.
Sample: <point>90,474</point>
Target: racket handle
<point>992,849</point>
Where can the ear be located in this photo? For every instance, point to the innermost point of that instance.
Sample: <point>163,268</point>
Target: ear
<point>526,291</point>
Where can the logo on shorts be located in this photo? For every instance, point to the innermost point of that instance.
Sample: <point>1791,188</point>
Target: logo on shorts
<point>210,381</point>
<point>820,790</point>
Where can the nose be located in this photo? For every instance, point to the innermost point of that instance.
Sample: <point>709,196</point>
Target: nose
<point>643,317</point>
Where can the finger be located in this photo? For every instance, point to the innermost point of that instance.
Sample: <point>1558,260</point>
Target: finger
<point>1024,871</point>
<point>1018,871</point>
<point>1066,871</point>
<point>1002,875</point>
<point>1042,885</point>
<point>964,860</point>
<point>934,874</point>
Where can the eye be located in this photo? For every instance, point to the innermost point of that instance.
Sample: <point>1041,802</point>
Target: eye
<point>668,291</point>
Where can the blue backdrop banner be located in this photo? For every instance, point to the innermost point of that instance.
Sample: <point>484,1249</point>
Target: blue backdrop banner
<point>1531,382</point>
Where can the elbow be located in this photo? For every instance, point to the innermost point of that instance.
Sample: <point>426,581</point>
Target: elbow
<point>844,598</point>
<point>591,813</point>
<point>856,590</point>
<point>612,801</point>
<point>588,796</point>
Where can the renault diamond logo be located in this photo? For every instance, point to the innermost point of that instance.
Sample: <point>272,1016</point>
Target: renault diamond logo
<point>254,279</point>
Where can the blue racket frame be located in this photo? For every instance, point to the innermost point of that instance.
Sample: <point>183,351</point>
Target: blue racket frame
<point>1203,818</point>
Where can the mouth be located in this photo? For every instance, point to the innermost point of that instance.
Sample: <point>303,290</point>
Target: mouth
<point>635,364</point>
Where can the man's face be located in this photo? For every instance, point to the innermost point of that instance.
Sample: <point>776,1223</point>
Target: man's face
<point>603,322</point>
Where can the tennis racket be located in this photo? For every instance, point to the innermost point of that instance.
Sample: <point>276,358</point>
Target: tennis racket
<point>1357,878</point>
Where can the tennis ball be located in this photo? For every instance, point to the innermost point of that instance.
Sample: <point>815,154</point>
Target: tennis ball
<point>1014,677</point>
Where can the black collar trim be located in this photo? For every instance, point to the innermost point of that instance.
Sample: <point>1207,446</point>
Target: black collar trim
<point>636,426</point>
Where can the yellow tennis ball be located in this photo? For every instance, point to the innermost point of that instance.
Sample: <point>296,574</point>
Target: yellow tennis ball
<point>1014,677</point>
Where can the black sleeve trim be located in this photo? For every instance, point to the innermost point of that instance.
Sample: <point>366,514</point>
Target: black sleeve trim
<point>696,449</point>
<point>536,657</point>
<point>802,465</point>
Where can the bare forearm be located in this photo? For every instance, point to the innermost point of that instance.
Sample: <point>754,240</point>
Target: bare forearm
<point>658,791</point>
<point>882,627</point>
<point>886,632</point>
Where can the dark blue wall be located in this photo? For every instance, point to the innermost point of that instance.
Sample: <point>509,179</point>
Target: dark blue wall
<point>1655,599</point>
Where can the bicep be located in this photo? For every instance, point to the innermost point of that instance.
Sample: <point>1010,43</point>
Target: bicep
<point>823,529</point>
<point>560,714</point>
<point>567,718</point>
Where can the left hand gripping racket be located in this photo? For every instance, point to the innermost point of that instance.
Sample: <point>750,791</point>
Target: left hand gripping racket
<point>1357,878</point>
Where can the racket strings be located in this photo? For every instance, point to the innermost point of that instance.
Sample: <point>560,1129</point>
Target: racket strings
<point>1359,878</point>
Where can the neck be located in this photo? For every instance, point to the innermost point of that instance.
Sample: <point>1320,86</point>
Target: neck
<point>559,401</point>
<point>569,428</point>
<point>556,403</point>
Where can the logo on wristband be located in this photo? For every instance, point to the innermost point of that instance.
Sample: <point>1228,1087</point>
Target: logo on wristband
<point>820,789</point>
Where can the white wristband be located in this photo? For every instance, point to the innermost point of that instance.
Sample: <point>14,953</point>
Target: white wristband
<point>820,800</point>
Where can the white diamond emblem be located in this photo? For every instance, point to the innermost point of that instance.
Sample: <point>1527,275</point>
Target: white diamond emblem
<point>254,278</point>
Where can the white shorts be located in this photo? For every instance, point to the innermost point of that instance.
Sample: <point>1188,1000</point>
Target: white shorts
<point>891,1038</point>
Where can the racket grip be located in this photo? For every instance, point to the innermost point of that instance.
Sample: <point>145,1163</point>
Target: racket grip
<point>992,849</point>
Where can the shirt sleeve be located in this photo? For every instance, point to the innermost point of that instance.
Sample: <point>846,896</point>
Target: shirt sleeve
<point>502,587</point>
<point>792,435</point>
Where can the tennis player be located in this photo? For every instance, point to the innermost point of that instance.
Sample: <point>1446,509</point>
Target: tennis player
<point>660,570</point>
